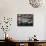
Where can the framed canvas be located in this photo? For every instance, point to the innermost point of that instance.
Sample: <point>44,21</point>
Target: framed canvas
<point>24,19</point>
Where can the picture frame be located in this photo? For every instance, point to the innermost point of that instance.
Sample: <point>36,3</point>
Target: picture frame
<point>24,19</point>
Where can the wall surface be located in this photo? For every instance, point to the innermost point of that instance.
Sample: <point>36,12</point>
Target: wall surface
<point>10,8</point>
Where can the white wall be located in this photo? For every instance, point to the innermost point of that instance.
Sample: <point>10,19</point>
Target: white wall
<point>11,8</point>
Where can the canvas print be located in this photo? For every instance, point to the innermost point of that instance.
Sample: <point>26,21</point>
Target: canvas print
<point>24,19</point>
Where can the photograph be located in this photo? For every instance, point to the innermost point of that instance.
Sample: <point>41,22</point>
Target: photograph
<point>24,19</point>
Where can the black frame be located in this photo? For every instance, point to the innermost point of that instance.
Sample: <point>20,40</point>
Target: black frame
<point>24,19</point>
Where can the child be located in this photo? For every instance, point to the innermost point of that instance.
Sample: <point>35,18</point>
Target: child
<point>35,38</point>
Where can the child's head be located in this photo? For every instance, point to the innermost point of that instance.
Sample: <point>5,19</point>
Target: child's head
<point>34,35</point>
